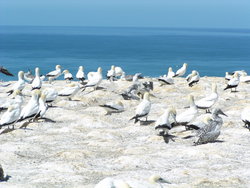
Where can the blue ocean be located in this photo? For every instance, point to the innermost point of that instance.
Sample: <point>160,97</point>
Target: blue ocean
<point>150,51</point>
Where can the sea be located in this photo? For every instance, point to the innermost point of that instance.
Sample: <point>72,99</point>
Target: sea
<point>150,51</point>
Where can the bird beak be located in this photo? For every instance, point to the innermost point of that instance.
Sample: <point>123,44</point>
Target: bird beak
<point>174,117</point>
<point>161,180</point>
<point>222,113</point>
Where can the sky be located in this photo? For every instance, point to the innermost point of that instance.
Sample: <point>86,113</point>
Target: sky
<point>127,13</point>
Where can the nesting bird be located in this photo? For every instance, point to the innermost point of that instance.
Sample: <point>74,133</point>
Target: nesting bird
<point>210,132</point>
<point>17,98</point>
<point>113,107</point>
<point>69,91</point>
<point>209,101</point>
<point>80,74</point>
<point>143,108</point>
<point>67,75</point>
<point>51,94</point>
<point>181,72</point>
<point>56,73</point>
<point>11,115</point>
<point>163,124</point>
<point>234,82</point>
<point>189,115</point>
<point>19,85</point>
<point>193,78</point>
<point>166,80</point>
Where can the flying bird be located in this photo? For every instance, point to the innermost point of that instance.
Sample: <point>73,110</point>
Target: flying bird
<point>5,71</point>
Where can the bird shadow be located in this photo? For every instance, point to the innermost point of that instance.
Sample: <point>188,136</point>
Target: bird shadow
<point>168,137</point>
<point>7,130</point>
<point>148,122</point>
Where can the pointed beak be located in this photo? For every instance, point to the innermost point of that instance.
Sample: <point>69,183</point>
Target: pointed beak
<point>222,113</point>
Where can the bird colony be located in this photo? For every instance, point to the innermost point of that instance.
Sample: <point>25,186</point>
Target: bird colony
<point>116,130</point>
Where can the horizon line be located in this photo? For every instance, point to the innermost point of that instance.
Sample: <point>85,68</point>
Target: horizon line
<point>154,27</point>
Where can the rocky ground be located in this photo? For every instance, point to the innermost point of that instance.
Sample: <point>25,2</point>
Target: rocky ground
<point>84,145</point>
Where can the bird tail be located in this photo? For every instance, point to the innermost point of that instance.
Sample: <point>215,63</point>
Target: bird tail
<point>226,88</point>
<point>135,118</point>
<point>10,92</point>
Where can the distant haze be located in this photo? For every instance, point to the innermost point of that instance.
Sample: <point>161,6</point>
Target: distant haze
<point>122,13</point>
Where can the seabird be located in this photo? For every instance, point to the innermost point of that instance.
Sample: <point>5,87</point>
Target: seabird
<point>113,107</point>
<point>234,82</point>
<point>143,108</point>
<point>118,71</point>
<point>19,85</point>
<point>43,107</point>
<point>131,77</point>
<point>215,115</point>
<point>189,115</point>
<point>67,75</point>
<point>11,115</point>
<point>32,107</point>
<point>181,71</point>
<point>209,101</point>
<point>80,74</point>
<point>156,179</point>
<point>37,82</point>
<point>193,78</point>
<point>112,183</point>
<point>28,76</point>
<point>245,116</point>
<point>245,78</point>
<point>16,99</point>
<point>56,73</point>
<point>209,133</point>
<point>94,79</point>
<point>162,124</point>
<point>171,73</point>
<point>228,76</point>
<point>240,72</point>
<point>5,71</point>
<point>111,73</point>
<point>166,80</point>
<point>51,94</point>
<point>69,91</point>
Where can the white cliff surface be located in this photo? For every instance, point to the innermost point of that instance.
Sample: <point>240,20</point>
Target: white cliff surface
<point>85,146</point>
